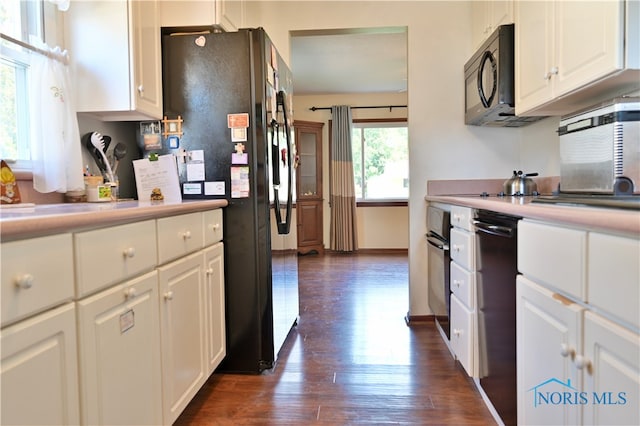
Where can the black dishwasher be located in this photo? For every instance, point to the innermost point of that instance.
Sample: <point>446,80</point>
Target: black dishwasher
<point>496,265</point>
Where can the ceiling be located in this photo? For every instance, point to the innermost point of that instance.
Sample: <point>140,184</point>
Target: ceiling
<point>368,60</point>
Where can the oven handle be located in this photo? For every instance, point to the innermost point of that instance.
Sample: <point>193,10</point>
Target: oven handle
<point>489,228</point>
<point>437,243</point>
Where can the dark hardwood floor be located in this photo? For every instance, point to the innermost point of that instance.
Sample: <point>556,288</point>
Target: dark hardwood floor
<point>351,360</point>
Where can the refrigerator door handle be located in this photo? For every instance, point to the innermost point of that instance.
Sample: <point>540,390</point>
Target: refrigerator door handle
<point>284,227</point>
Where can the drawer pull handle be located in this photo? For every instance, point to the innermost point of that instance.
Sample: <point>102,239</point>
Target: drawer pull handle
<point>130,252</point>
<point>186,235</point>
<point>215,227</point>
<point>24,281</point>
<point>566,350</point>
<point>209,271</point>
<point>130,293</point>
<point>168,295</point>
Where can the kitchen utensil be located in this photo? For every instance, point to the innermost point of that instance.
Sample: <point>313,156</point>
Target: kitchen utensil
<point>98,142</point>
<point>86,140</point>
<point>520,184</point>
<point>119,151</point>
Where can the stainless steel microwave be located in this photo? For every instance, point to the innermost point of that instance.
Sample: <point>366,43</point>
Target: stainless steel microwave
<point>489,83</point>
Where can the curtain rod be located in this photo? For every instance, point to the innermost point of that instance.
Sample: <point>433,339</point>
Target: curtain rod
<point>51,55</point>
<point>363,107</point>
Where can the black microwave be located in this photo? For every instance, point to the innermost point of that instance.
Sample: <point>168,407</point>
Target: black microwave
<point>489,83</point>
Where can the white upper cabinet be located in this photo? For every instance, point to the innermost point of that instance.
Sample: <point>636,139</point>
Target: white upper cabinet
<point>572,54</point>
<point>486,16</point>
<point>225,15</point>
<point>114,48</point>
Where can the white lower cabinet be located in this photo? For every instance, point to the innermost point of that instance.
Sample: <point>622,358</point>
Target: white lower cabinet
<point>183,332</point>
<point>462,334</point>
<point>39,373</point>
<point>119,347</point>
<point>547,339</point>
<point>611,359</point>
<point>574,366</point>
<point>214,283</point>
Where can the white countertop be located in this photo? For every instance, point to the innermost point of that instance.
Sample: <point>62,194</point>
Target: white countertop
<point>44,219</point>
<point>612,220</point>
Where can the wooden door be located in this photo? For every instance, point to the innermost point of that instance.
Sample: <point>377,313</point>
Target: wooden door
<point>309,198</point>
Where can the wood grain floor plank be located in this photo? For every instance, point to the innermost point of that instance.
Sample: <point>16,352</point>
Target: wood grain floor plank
<point>351,359</point>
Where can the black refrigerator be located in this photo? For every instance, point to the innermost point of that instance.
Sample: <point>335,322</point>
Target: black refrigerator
<point>233,95</point>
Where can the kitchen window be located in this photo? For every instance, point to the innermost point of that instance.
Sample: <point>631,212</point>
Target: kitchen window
<point>19,20</point>
<point>380,160</point>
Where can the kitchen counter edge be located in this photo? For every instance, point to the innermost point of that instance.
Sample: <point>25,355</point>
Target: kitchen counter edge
<point>610,220</point>
<point>37,223</point>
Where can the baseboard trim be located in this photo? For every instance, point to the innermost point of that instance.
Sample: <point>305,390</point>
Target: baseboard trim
<point>418,319</point>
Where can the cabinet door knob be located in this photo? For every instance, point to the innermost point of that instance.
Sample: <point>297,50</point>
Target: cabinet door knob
<point>215,226</point>
<point>130,252</point>
<point>141,89</point>
<point>24,281</point>
<point>566,350</point>
<point>168,295</point>
<point>457,331</point>
<point>186,235</point>
<point>130,293</point>
<point>457,247</point>
<point>582,362</point>
<point>457,283</point>
<point>209,271</point>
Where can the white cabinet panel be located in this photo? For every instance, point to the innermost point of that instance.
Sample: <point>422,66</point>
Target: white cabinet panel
<point>227,15</point>
<point>548,339</point>
<point>182,319</point>
<point>213,230</point>
<point>36,274</point>
<point>612,373</point>
<point>462,284</point>
<point>463,248</point>
<point>462,334</point>
<point>119,347</point>
<point>614,276</point>
<point>553,255</point>
<point>111,255</point>
<point>179,235</point>
<point>115,58</point>
<point>214,281</point>
<point>39,374</point>
<point>461,217</point>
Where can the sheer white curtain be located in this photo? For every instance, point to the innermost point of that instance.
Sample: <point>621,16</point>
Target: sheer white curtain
<point>55,139</point>
<point>343,229</point>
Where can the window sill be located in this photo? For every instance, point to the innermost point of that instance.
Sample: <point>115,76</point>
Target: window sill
<point>382,203</point>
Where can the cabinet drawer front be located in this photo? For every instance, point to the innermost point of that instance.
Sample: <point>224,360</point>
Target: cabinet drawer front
<point>212,227</point>
<point>462,248</point>
<point>462,285</point>
<point>179,235</point>
<point>110,255</point>
<point>614,275</point>
<point>553,256</point>
<point>462,217</point>
<point>36,274</point>
<point>462,334</point>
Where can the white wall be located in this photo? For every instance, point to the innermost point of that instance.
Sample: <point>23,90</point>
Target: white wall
<point>440,145</point>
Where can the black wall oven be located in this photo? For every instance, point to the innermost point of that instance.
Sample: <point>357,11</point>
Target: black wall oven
<point>438,226</point>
